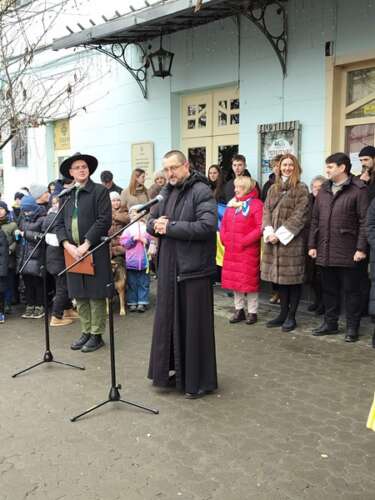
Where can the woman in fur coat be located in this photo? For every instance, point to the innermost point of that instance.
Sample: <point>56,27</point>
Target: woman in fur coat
<point>285,215</point>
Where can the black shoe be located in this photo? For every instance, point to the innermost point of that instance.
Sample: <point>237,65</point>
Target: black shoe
<point>239,315</point>
<point>289,325</point>
<point>251,318</point>
<point>351,335</point>
<point>274,323</point>
<point>196,395</point>
<point>94,343</point>
<point>77,344</point>
<point>325,329</point>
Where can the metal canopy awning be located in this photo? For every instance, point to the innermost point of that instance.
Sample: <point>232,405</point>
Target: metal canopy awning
<point>170,16</point>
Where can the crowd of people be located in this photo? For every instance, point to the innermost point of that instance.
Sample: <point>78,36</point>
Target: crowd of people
<point>205,231</point>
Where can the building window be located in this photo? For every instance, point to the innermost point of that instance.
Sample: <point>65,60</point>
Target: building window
<point>19,149</point>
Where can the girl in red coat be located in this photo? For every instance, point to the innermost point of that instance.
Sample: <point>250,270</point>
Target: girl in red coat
<point>240,232</point>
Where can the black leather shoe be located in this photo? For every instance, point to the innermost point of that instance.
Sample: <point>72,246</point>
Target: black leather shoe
<point>274,323</point>
<point>325,329</point>
<point>351,335</point>
<point>239,315</point>
<point>351,338</point>
<point>78,344</point>
<point>251,318</point>
<point>196,395</point>
<point>94,343</point>
<point>289,325</point>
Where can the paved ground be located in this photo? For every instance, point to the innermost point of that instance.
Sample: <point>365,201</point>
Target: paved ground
<point>287,423</point>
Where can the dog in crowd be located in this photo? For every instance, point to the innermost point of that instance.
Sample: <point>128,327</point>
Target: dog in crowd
<point>119,278</point>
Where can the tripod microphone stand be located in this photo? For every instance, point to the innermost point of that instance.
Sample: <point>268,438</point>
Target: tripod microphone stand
<point>114,392</point>
<point>48,356</point>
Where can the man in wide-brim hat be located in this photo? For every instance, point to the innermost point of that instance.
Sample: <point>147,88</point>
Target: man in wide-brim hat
<point>85,219</point>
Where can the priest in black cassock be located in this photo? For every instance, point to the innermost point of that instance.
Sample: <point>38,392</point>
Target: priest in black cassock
<point>183,343</point>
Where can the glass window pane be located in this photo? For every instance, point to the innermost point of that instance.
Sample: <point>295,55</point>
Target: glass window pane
<point>234,104</point>
<point>225,155</point>
<point>359,136</point>
<point>223,104</point>
<point>361,83</point>
<point>223,119</point>
<point>201,108</point>
<point>197,158</point>
<point>191,124</point>
<point>235,119</point>
<point>191,110</point>
<point>365,110</point>
<point>202,122</point>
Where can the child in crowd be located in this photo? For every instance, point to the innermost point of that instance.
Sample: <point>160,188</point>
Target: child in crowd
<point>30,227</point>
<point>136,241</point>
<point>4,258</point>
<point>8,227</point>
<point>62,309</point>
<point>241,231</point>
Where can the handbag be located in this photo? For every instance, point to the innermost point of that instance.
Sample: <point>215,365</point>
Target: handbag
<point>85,266</point>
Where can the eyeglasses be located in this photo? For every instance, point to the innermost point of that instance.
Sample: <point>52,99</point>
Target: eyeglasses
<point>80,167</point>
<point>173,169</point>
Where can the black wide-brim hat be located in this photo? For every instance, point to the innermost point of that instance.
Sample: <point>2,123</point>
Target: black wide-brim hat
<point>91,162</point>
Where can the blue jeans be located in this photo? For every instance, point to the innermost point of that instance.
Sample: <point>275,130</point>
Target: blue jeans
<point>138,287</point>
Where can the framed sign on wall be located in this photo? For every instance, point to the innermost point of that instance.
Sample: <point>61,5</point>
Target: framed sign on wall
<point>274,139</point>
<point>142,155</point>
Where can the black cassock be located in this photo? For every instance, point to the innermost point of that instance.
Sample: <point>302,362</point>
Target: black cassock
<point>183,336</point>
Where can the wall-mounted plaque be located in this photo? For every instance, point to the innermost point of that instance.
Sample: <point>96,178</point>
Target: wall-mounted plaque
<point>142,154</point>
<point>275,139</point>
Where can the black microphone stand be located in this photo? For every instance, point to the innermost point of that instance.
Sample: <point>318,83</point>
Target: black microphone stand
<point>114,392</point>
<point>48,356</point>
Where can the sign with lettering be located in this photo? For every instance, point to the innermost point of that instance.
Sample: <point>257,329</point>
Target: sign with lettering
<point>142,154</point>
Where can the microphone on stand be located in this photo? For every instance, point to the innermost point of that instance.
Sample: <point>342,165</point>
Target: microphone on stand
<point>67,190</point>
<point>146,207</point>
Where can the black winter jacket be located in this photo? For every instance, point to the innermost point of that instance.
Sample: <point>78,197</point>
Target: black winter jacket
<point>55,261</point>
<point>193,227</point>
<point>31,225</point>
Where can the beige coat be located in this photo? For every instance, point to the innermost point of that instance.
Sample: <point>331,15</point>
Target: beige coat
<point>285,264</point>
<point>128,200</point>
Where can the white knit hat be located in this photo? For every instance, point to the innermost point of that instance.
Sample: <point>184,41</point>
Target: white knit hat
<point>114,195</point>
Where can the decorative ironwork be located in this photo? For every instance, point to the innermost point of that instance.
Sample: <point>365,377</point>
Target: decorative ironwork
<point>121,53</point>
<point>259,15</point>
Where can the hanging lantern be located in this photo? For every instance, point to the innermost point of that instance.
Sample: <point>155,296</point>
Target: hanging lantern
<point>161,61</point>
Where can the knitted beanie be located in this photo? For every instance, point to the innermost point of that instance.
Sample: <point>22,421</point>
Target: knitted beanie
<point>28,204</point>
<point>367,151</point>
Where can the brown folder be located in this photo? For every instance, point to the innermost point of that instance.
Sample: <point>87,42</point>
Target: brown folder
<point>85,266</point>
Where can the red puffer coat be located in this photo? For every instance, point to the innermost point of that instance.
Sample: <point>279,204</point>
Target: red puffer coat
<point>241,231</point>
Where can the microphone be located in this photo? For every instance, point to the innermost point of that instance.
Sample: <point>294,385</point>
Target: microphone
<point>146,207</point>
<point>67,190</point>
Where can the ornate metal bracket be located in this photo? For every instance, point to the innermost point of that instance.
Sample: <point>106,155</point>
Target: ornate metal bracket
<point>121,52</point>
<point>258,15</point>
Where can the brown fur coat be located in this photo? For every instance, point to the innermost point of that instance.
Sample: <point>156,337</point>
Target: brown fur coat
<point>287,207</point>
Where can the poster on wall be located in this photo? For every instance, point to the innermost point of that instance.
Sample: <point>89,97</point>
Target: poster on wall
<point>274,139</point>
<point>143,157</point>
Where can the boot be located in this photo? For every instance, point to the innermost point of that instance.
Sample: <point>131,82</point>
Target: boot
<point>289,324</point>
<point>77,344</point>
<point>251,318</point>
<point>274,323</point>
<point>95,342</point>
<point>239,315</point>
<point>70,314</point>
<point>351,334</point>
<point>60,321</point>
